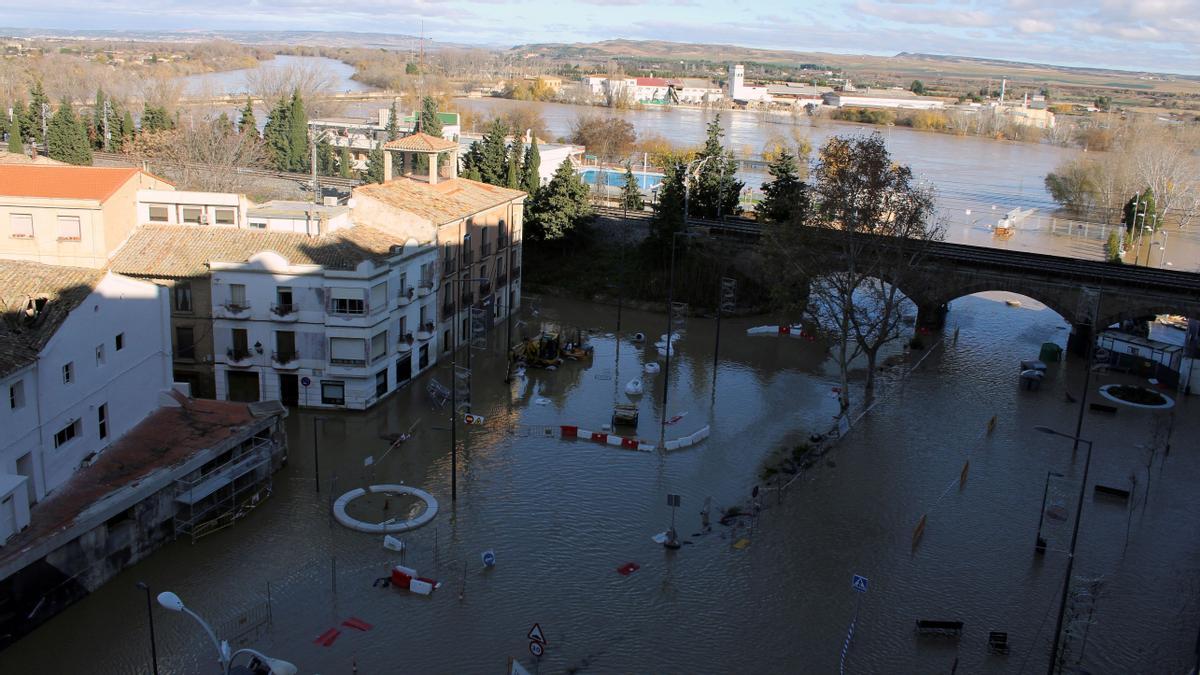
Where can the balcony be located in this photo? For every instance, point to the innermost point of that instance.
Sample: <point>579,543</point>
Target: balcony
<point>501,241</point>
<point>516,273</point>
<point>485,289</point>
<point>406,296</point>
<point>286,360</point>
<point>406,343</point>
<point>234,310</point>
<point>424,287</point>
<point>486,249</point>
<point>425,332</point>
<point>467,258</point>
<point>237,357</point>
<point>447,310</point>
<point>501,280</point>
<point>285,313</point>
<point>448,266</point>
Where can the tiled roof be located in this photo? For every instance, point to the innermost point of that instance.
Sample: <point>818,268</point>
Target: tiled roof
<point>172,251</point>
<point>22,337</point>
<point>447,201</point>
<point>652,81</point>
<point>63,182</point>
<point>420,142</point>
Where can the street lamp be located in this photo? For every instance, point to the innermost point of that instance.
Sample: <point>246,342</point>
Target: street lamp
<point>170,601</point>
<point>456,291</point>
<point>1062,607</point>
<point>670,329</point>
<point>150,615</point>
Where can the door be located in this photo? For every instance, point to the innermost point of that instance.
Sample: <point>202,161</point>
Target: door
<point>404,368</point>
<point>25,468</point>
<point>289,389</point>
<point>242,386</point>
<point>285,346</point>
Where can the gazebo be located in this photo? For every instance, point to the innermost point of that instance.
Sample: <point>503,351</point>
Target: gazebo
<point>421,143</point>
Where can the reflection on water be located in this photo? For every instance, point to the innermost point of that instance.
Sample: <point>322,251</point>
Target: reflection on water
<point>236,82</point>
<point>563,515</point>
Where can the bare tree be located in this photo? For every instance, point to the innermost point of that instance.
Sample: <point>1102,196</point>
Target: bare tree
<point>314,81</point>
<point>1165,161</point>
<point>203,155</point>
<point>862,241</point>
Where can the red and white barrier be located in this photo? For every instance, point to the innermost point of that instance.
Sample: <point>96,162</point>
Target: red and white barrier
<point>627,443</point>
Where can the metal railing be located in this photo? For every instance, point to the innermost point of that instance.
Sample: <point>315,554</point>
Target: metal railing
<point>236,307</point>
<point>235,354</point>
<point>283,310</point>
<point>285,357</point>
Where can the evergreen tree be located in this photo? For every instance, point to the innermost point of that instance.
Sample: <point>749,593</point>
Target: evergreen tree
<point>127,129</point>
<point>515,154</point>
<point>247,123</point>
<point>22,123</point>
<point>784,196</point>
<point>326,163</point>
<point>101,112</point>
<point>471,161</point>
<point>531,168</point>
<point>631,194</point>
<point>277,138</point>
<point>716,190</point>
<point>393,125</point>
<point>428,121</point>
<point>155,118</point>
<point>344,169</point>
<point>13,129</point>
<point>39,112</point>
<point>297,134</point>
<point>561,208</point>
<point>66,139</point>
<point>1140,211</point>
<point>493,158</point>
<point>1149,217</point>
<point>374,172</point>
<point>1112,247</point>
<point>668,213</point>
<point>224,124</point>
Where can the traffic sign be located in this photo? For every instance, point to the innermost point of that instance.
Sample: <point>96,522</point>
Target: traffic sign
<point>489,558</point>
<point>536,635</point>
<point>860,583</point>
<point>536,648</point>
<point>472,420</point>
<point>305,381</point>
<point>672,500</point>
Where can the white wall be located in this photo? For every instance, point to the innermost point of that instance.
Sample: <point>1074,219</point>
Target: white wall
<point>176,201</point>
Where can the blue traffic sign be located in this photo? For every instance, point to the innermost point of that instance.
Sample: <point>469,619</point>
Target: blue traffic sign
<point>305,381</point>
<point>859,583</point>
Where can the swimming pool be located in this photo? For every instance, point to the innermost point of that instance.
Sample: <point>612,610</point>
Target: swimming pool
<point>616,178</point>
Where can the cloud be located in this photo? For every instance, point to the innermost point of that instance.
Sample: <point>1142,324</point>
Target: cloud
<point>1034,26</point>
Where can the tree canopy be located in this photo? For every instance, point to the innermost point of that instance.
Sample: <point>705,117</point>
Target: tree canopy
<point>716,189</point>
<point>531,168</point>
<point>631,194</point>
<point>428,120</point>
<point>66,139</point>
<point>784,196</point>
<point>559,209</point>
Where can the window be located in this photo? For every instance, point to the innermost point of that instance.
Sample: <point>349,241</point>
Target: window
<point>347,351</point>
<point>183,297</point>
<point>68,432</point>
<point>16,395</point>
<point>120,341</point>
<point>237,295</point>
<point>333,392</point>
<point>403,326</point>
<point>158,214</point>
<point>69,372</point>
<point>379,345</point>
<point>68,228</point>
<point>22,225</point>
<point>424,317</point>
<point>258,224</point>
<point>102,420</point>
<point>99,355</point>
<point>446,341</point>
<point>423,357</point>
<point>224,216</point>
<point>193,215</point>
<point>403,370</point>
<point>379,297</point>
<point>185,342</point>
<point>241,343</point>
<point>283,296</point>
<point>381,382</point>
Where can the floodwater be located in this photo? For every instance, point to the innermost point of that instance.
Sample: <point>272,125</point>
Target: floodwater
<point>976,180</point>
<point>562,515</point>
<point>235,82</point>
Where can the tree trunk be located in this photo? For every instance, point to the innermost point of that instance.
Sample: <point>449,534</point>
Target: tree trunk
<point>869,387</point>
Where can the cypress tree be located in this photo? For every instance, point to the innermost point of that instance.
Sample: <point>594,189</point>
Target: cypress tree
<point>66,139</point>
<point>13,129</point>
<point>326,162</point>
<point>493,157</point>
<point>224,124</point>
<point>428,121</point>
<point>155,118</point>
<point>515,154</point>
<point>631,194</point>
<point>344,162</point>
<point>784,195</point>
<point>531,168</point>
<point>127,129</point>
<point>559,209</point>
<point>276,136</point>
<point>99,114</point>
<point>393,125</point>
<point>668,213</point>
<point>247,123</point>
<point>716,190</point>
<point>298,134</point>
<point>39,112</point>
<point>374,172</point>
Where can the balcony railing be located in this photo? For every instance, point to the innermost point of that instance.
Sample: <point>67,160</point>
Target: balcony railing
<point>347,362</point>
<point>285,357</point>
<point>237,354</point>
<point>467,299</point>
<point>424,287</point>
<point>283,310</point>
<point>406,295</point>
<point>501,280</point>
<point>485,289</point>
<point>237,307</point>
<point>406,343</point>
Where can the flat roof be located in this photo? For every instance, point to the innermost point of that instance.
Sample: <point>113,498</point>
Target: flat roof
<point>287,208</point>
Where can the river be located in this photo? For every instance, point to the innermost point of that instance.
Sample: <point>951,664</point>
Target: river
<point>563,515</point>
<point>235,81</point>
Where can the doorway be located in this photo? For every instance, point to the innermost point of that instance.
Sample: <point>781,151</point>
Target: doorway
<point>289,389</point>
<point>25,468</point>
<point>242,385</point>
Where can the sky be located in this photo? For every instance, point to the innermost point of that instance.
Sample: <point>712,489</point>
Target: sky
<point>1158,35</point>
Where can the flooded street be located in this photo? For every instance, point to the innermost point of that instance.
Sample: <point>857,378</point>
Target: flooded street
<point>562,515</point>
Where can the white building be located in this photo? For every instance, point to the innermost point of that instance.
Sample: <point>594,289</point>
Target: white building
<point>84,356</point>
<point>171,207</point>
<point>883,98</point>
<point>552,154</point>
<point>361,134</point>
<point>739,91</point>
<point>302,217</point>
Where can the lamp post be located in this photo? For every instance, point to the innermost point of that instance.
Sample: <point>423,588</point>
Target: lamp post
<point>170,601</point>
<point>1062,606</point>
<point>317,453</point>
<point>1039,543</point>
<point>150,615</point>
<point>670,332</point>
<point>456,290</point>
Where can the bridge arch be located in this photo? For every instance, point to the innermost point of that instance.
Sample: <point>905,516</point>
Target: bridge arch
<point>932,300</point>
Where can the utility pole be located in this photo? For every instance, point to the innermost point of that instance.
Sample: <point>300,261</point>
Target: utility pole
<point>313,147</point>
<point>107,113</point>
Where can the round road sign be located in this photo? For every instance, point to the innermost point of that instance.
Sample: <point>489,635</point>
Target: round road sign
<point>305,381</point>
<point>536,648</point>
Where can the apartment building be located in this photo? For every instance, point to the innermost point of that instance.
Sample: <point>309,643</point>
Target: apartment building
<point>337,320</point>
<point>68,215</point>
<point>84,357</point>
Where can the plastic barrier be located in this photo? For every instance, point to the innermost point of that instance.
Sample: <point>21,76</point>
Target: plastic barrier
<point>389,526</point>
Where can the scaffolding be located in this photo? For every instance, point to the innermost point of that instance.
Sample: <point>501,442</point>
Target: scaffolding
<point>215,497</point>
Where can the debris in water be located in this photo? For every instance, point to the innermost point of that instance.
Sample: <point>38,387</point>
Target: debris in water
<point>628,568</point>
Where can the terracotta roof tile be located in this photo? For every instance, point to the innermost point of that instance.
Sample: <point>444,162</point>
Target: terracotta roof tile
<point>22,336</point>
<point>420,142</point>
<point>447,201</point>
<point>185,250</point>
<point>63,182</point>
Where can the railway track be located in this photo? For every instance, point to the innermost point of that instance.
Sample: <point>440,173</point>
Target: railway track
<point>302,178</point>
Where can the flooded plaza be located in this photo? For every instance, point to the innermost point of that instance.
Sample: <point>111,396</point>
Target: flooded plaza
<point>773,595</point>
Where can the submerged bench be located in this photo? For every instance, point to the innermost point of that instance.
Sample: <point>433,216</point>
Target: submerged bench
<point>931,627</point>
